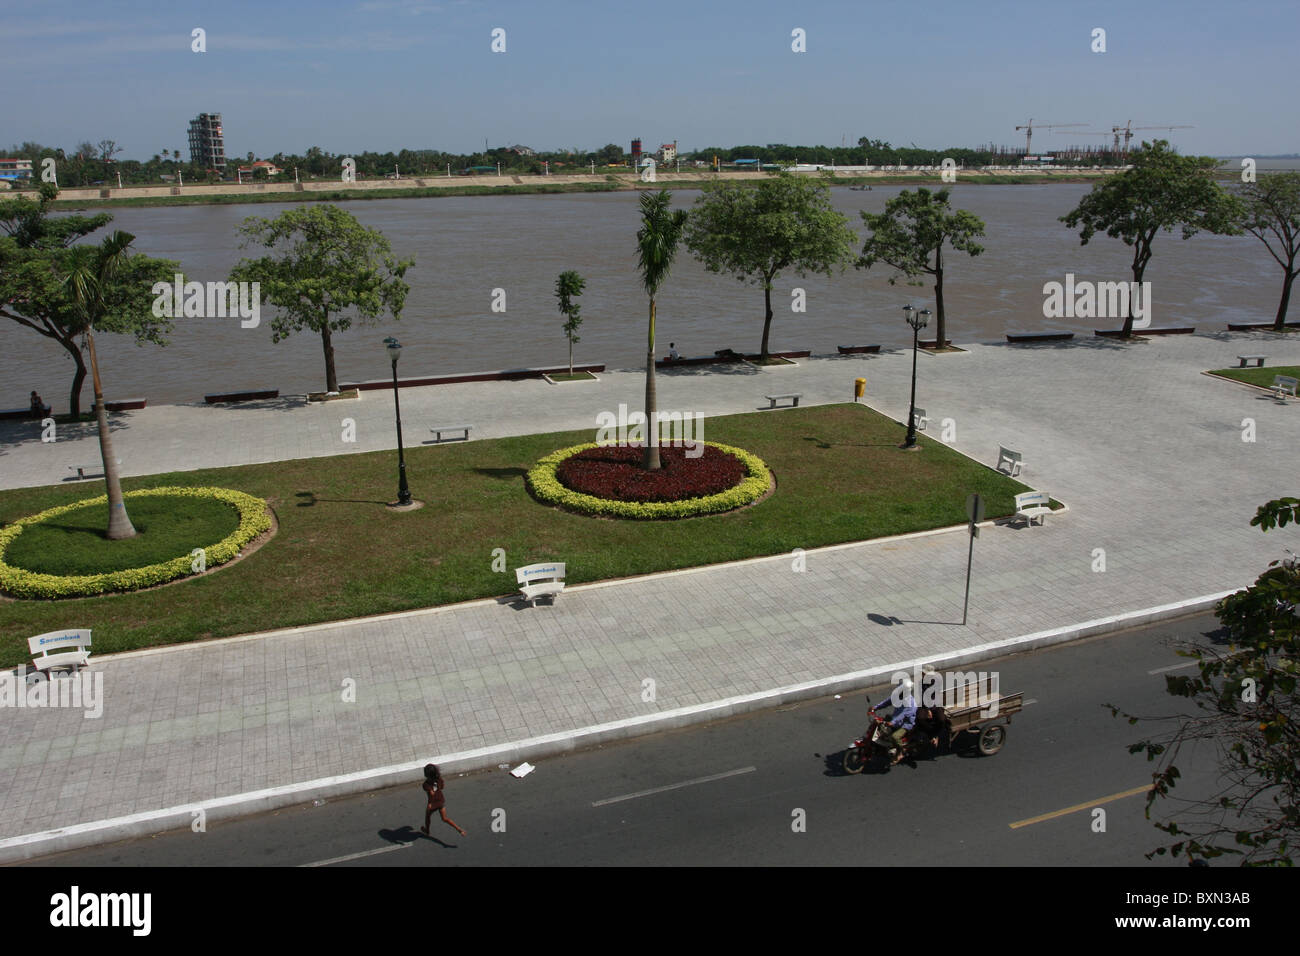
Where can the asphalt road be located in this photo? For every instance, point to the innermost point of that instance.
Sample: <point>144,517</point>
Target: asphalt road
<point>730,793</point>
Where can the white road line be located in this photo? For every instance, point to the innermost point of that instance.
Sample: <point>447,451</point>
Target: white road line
<point>674,786</point>
<point>1173,667</point>
<point>357,856</point>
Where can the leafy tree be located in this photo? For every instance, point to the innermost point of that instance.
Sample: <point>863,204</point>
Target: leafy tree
<point>1161,190</point>
<point>910,234</point>
<point>328,263</point>
<point>91,283</point>
<point>755,233</point>
<point>1248,710</point>
<point>34,258</point>
<point>1271,213</point>
<point>568,286</point>
<point>656,247</point>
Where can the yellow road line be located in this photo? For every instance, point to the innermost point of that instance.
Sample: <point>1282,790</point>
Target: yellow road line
<point>1080,806</point>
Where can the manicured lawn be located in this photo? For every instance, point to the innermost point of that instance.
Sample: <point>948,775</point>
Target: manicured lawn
<point>575,377</point>
<point>340,553</point>
<point>167,527</point>
<point>1258,376</point>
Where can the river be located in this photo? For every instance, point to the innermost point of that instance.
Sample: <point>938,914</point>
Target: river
<point>466,247</point>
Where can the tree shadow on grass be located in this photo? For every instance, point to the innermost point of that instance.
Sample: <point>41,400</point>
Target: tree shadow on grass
<point>502,474</point>
<point>311,498</point>
<point>823,443</point>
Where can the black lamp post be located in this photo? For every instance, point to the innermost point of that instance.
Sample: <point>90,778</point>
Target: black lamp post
<point>403,492</point>
<point>917,320</point>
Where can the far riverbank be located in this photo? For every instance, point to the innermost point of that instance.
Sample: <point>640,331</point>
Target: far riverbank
<point>510,184</point>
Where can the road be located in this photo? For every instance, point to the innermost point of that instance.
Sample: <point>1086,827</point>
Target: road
<point>730,793</point>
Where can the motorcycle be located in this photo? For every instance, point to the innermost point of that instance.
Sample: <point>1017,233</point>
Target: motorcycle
<point>876,744</point>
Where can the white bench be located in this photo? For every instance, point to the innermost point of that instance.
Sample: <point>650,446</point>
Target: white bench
<point>1033,504</point>
<point>920,418</point>
<point>90,471</point>
<point>534,580</point>
<point>438,430</point>
<point>1284,385</point>
<point>1257,359</point>
<point>72,647</point>
<point>793,396</point>
<point>1009,462</point>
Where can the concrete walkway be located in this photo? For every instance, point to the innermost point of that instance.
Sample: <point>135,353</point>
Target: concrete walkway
<point>1148,454</point>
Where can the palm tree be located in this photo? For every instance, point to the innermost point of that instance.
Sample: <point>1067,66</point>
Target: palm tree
<point>88,281</point>
<point>656,246</point>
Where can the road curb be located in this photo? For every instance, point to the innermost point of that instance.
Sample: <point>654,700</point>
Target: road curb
<point>149,823</point>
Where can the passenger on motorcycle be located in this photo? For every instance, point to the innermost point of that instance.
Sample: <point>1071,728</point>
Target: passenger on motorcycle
<point>902,719</point>
<point>932,727</point>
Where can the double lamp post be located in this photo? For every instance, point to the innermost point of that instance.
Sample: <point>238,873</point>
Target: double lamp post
<point>394,349</point>
<point>917,319</point>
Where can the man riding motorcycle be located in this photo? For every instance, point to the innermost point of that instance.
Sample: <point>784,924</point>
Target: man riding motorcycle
<point>902,719</point>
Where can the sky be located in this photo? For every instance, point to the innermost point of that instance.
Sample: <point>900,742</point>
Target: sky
<point>387,74</point>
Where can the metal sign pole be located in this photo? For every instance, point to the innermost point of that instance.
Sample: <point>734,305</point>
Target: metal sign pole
<point>975,511</point>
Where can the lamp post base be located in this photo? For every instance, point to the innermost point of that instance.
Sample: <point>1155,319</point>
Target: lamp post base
<point>414,505</point>
<point>906,447</point>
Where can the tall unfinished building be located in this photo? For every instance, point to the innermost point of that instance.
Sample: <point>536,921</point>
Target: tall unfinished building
<point>207,146</point>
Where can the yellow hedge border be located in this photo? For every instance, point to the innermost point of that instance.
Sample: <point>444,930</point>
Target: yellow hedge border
<point>19,582</point>
<point>547,488</point>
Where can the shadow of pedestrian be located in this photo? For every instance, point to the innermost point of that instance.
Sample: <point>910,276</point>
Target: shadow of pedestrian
<point>410,834</point>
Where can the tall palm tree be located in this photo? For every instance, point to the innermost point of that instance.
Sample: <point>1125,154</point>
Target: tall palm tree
<point>656,246</point>
<point>88,282</point>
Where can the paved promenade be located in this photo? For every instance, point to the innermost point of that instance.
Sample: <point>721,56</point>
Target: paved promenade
<point>1147,453</point>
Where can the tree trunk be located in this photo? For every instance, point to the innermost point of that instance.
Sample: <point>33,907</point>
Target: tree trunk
<point>1279,323</point>
<point>767,320</point>
<point>651,461</point>
<point>940,326</point>
<point>331,379</point>
<point>78,377</point>
<point>119,523</point>
<point>1141,256</point>
<point>570,358</point>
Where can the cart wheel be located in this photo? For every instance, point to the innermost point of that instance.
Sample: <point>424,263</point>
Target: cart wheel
<point>992,738</point>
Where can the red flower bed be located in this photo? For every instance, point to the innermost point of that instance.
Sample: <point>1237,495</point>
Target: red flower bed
<point>616,473</point>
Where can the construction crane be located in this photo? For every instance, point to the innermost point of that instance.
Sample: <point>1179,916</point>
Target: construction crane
<point>1029,130</point>
<point>1128,129</point>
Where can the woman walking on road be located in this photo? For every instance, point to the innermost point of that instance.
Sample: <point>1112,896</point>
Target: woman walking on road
<point>433,785</point>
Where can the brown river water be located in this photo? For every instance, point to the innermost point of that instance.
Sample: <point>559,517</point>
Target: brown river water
<point>465,247</point>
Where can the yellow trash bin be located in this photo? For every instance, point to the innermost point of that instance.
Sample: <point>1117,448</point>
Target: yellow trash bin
<point>859,387</point>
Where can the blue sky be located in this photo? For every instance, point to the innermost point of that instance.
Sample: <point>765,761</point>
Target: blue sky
<point>387,74</point>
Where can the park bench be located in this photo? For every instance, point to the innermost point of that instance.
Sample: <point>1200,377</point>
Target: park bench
<point>90,471</point>
<point>1033,504</point>
<point>439,429</point>
<point>793,396</point>
<point>921,419</point>
<point>122,404</point>
<point>1257,359</point>
<point>1009,462</point>
<point>534,580</point>
<point>21,414</point>
<point>1284,385</point>
<point>72,647</point>
<point>1052,335</point>
<point>250,395</point>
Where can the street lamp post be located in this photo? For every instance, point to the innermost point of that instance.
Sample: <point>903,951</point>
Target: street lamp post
<point>394,349</point>
<point>917,320</point>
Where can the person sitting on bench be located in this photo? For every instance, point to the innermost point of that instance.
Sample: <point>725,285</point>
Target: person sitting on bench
<point>673,354</point>
<point>39,408</point>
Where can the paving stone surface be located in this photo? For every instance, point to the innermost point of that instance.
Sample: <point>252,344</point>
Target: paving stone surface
<point>1147,453</point>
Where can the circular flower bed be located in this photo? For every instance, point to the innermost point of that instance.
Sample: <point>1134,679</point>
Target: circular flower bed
<point>19,582</point>
<point>608,481</point>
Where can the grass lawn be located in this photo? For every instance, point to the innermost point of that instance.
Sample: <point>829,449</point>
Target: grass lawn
<point>575,377</point>
<point>341,553</point>
<point>1262,377</point>
<point>168,527</point>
